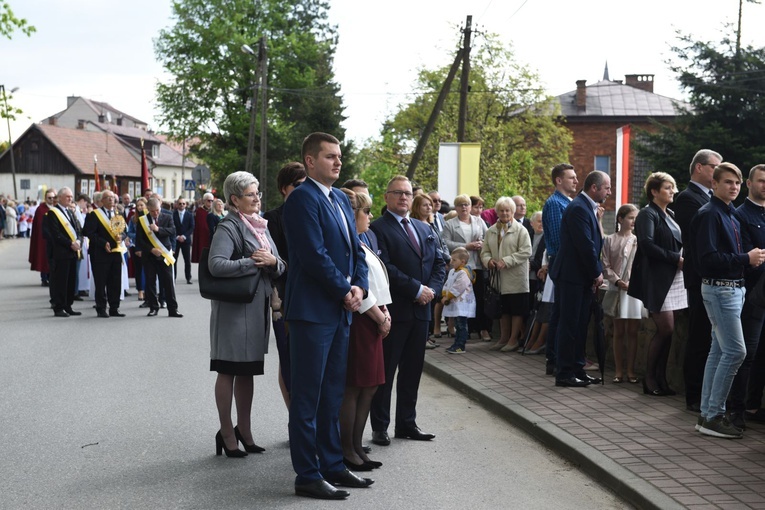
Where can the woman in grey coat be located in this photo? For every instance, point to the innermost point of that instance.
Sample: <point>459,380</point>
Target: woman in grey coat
<point>239,332</point>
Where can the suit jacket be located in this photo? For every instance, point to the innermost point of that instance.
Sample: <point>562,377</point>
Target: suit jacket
<point>656,258</point>
<point>59,243</point>
<point>185,228</point>
<point>581,243</point>
<point>165,234</point>
<point>685,206</point>
<point>406,269</point>
<point>98,236</point>
<point>323,261</point>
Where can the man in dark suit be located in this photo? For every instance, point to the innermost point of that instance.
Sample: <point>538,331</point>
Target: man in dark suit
<point>326,283</point>
<point>416,272</point>
<point>64,239</point>
<point>577,274</point>
<point>686,204</point>
<point>153,239</point>
<point>107,265</point>
<point>520,215</point>
<point>184,228</point>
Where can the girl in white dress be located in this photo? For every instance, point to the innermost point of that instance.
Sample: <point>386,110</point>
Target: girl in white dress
<point>618,253</point>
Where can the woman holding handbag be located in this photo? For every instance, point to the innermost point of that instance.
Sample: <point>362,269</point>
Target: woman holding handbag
<point>618,253</point>
<point>507,249</point>
<point>467,231</point>
<point>239,332</point>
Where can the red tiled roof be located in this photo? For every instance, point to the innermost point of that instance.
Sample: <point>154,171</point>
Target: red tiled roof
<point>79,147</point>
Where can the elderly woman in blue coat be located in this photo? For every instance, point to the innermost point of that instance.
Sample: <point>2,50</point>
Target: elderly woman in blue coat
<point>239,332</point>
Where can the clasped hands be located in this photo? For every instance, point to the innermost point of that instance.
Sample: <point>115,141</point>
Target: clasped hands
<point>354,297</point>
<point>263,257</point>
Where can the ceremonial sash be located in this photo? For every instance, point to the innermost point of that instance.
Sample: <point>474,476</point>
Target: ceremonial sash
<point>108,226</point>
<point>166,254</point>
<point>67,227</point>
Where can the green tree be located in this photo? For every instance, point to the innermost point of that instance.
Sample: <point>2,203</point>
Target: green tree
<point>211,82</point>
<point>9,23</point>
<point>726,88</point>
<point>508,113</point>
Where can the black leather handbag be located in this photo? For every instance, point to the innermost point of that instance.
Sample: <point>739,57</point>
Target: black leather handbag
<point>492,297</point>
<point>240,289</point>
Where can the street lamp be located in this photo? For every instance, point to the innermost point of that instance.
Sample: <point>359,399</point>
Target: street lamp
<point>10,143</point>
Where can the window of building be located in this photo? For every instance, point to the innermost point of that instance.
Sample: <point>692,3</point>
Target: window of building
<point>155,151</point>
<point>603,163</point>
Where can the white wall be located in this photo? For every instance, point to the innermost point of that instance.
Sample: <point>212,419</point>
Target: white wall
<point>37,181</point>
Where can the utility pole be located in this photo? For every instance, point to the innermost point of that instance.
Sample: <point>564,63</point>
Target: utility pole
<point>253,114</point>
<point>434,116</point>
<point>263,59</point>
<point>464,82</point>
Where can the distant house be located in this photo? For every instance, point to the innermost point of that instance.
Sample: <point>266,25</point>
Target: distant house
<point>106,132</point>
<point>52,156</point>
<point>594,114</point>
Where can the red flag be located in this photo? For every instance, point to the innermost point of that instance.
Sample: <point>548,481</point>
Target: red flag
<point>144,170</point>
<point>115,188</point>
<point>95,172</point>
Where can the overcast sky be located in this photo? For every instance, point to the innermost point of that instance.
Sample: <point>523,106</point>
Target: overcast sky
<point>102,49</point>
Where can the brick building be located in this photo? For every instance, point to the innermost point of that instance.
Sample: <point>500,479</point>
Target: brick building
<point>595,112</point>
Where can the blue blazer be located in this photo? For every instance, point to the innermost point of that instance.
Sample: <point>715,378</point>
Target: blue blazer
<point>406,269</point>
<point>581,243</point>
<point>322,263</point>
<point>187,227</point>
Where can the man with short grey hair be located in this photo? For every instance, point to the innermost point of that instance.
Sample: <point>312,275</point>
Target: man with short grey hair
<point>686,204</point>
<point>64,239</point>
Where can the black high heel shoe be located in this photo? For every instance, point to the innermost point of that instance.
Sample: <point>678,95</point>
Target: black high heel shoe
<point>220,446</point>
<point>357,467</point>
<point>667,390</point>
<point>375,464</point>
<point>654,393</point>
<point>251,448</point>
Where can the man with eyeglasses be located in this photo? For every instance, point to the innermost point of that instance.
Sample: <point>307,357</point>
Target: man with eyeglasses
<point>416,271</point>
<point>38,253</point>
<point>184,228</point>
<point>686,204</point>
<point>201,238</point>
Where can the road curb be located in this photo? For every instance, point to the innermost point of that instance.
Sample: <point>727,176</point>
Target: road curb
<point>604,470</point>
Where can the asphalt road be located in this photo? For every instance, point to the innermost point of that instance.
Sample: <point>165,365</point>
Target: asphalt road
<point>119,413</point>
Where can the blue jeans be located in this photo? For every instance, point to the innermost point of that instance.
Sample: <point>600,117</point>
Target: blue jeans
<point>460,332</point>
<point>723,305</point>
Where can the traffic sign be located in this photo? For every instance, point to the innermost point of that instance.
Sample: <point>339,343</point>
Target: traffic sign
<point>189,185</point>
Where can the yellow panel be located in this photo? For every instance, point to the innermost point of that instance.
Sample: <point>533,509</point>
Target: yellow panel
<point>469,169</point>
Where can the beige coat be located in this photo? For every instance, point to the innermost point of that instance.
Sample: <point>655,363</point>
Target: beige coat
<point>515,250</point>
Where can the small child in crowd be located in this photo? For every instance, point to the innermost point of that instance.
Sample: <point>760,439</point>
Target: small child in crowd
<point>458,298</point>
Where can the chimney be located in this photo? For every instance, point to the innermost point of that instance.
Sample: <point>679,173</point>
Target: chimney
<point>581,95</point>
<point>640,81</point>
<point>81,124</point>
<point>51,121</point>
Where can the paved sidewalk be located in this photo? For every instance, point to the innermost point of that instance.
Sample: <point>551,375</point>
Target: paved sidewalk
<point>644,448</point>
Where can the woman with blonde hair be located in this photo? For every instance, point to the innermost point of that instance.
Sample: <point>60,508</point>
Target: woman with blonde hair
<point>657,276</point>
<point>468,231</point>
<point>507,249</point>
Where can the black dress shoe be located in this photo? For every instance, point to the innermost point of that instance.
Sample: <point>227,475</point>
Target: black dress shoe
<point>348,479</point>
<point>188,282</point>
<point>320,489</point>
<point>590,378</point>
<point>414,433</point>
<point>115,313</point>
<point>364,466</point>
<point>694,407</point>
<point>60,313</point>
<point>152,313</point>
<point>102,313</point>
<point>175,313</point>
<point>77,298</point>
<point>366,448</point>
<point>380,437</point>
<point>572,382</point>
<point>145,304</point>
<point>549,368</point>
<point>72,312</point>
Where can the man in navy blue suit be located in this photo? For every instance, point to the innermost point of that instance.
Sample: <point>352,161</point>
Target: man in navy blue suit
<point>326,283</point>
<point>577,274</point>
<point>184,228</point>
<point>416,271</point>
